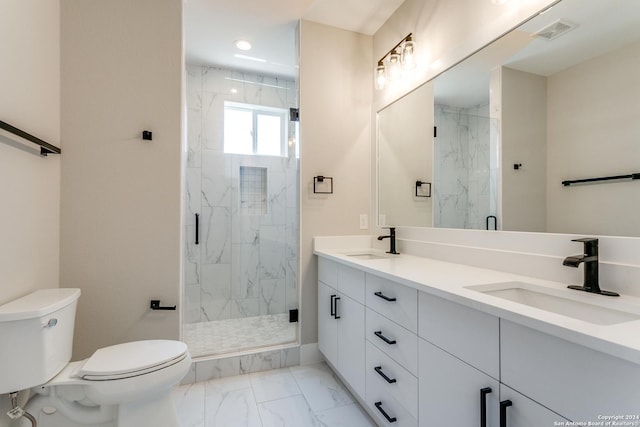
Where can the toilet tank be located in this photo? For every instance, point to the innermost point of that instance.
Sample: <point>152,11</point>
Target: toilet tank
<point>36,336</point>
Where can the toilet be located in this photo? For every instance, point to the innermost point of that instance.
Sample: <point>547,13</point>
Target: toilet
<point>123,385</point>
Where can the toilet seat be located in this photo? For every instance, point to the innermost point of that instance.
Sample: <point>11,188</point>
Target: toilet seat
<point>132,359</point>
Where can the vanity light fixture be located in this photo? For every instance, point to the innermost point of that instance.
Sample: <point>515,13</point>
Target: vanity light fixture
<point>400,58</point>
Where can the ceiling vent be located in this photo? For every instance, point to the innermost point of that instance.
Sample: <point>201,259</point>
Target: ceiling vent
<point>555,30</point>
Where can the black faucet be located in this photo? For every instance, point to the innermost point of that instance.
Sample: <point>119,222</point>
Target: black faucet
<point>392,240</point>
<point>590,260</point>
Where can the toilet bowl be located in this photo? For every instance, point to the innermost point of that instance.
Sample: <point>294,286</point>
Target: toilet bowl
<point>124,385</point>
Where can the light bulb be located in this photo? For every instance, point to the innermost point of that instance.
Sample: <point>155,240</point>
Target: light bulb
<point>380,77</point>
<point>408,55</point>
<point>395,71</point>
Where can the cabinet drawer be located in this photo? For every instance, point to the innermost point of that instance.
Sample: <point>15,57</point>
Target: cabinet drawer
<point>328,272</point>
<point>389,404</point>
<point>398,383</point>
<point>393,300</point>
<point>574,381</point>
<point>466,333</point>
<point>403,345</point>
<point>351,282</point>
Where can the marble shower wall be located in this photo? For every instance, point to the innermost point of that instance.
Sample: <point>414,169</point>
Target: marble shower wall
<point>245,264</point>
<point>465,167</point>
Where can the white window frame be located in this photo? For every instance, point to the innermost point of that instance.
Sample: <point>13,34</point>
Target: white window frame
<point>261,110</point>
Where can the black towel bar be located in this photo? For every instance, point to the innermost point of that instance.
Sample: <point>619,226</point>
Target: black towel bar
<point>630,176</point>
<point>45,147</point>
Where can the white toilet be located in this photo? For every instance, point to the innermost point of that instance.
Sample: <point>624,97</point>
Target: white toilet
<point>124,385</point>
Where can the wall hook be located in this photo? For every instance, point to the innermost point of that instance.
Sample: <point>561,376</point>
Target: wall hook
<point>147,135</point>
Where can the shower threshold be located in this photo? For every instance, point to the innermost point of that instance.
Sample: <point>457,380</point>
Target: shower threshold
<point>235,335</point>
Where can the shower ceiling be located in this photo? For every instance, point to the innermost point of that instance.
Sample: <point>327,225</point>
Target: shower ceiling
<point>212,26</point>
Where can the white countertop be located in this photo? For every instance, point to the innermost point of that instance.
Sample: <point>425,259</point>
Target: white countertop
<point>449,281</point>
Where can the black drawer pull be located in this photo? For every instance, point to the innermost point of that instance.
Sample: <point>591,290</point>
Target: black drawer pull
<point>386,378</point>
<point>383,338</point>
<point>335,315</point>
<point>382,411</point>
<point>503,412</point>
<point>384,297</point>
<point>333,307</point>
<point>483,405</point>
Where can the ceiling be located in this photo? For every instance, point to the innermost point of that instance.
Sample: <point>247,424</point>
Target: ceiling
<point>212,26</point>
<point>601,26</point>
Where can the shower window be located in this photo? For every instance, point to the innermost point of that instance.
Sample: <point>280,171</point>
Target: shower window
<point>253,129</point>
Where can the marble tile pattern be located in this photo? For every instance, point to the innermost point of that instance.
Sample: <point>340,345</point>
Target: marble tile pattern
<point>298,396</point>
<point>235,335</point>
<point>465,167</point>
<point>245,265</point>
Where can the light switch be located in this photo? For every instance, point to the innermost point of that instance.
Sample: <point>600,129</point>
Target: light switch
<point>364,221</point>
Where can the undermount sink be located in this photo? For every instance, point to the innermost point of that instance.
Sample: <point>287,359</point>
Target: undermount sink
<point>367,255</point>
<point>586,307</point>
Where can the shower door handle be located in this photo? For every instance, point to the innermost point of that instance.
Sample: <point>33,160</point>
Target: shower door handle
<point>197,229</point>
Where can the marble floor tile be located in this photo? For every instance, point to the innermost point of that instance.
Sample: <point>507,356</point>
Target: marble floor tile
<point>298,396</point>
<point>322,389</point>
<point>274,384</point>
<point>344,416</point>
<point>231,408</point>
<point>288,412</point>
<point>189,402</point>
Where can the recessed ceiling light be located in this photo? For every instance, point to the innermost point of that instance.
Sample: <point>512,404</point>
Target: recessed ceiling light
<point>243,44</point>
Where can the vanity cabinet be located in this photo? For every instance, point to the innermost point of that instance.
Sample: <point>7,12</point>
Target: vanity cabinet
<point>341,320</point>
<point>576,382</point>
<point>414,358</point>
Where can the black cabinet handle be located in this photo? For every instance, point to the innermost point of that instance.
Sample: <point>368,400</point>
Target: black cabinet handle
<point>483,405</point>
<point>384,297</point>
<point>333,307</point>
<point>503,412</point>
<point>383,338</point>
<point>335,315</point>
<point>197,229</point>
<point>382,411</point>
<point>378,369</point>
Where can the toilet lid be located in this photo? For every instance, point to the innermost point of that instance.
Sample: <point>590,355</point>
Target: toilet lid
<point>131,359</point>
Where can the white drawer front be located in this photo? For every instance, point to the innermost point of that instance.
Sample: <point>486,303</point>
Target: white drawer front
<point>468,334</point>
<point>403,345</point>
<point>387,403</point>
<point>328,272</point>
<point>403,309</point>
<point>394,380</point>
<point>351,282</point>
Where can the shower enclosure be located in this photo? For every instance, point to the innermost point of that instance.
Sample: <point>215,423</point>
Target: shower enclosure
<point>241,212</point>
<point>465,168</point>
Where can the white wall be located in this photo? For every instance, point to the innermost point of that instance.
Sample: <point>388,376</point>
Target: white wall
<point>29,184</point>
<point>121,203</point>
<point>594,131</point>
<point>335,140</point>
<point>524,141</point>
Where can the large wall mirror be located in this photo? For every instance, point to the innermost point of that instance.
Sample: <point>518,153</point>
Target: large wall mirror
<point>555,100</point>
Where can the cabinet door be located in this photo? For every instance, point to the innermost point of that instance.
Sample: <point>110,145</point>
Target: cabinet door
<point>351,346</point>
<point>327,324</point>
<point>524,412</point>
<point>449,391</point>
